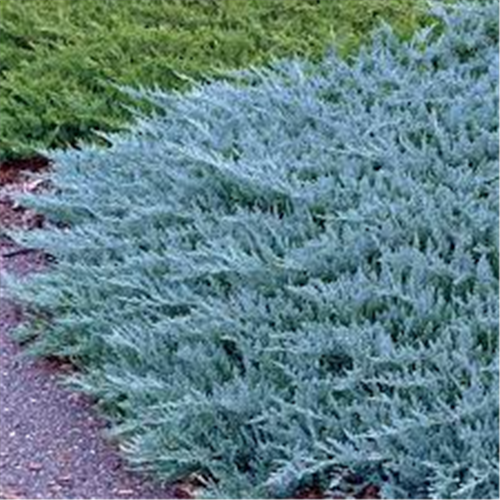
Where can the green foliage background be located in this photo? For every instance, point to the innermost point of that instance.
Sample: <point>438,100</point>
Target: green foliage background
<point>58,57</point>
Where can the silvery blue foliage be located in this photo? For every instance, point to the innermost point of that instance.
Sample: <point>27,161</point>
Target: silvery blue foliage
<point>294,272</point>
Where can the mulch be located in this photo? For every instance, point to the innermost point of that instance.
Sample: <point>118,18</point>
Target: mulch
<point>13,172</point>
<point>15,177</point>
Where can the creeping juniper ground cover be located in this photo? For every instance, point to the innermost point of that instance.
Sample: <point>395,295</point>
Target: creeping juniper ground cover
<point>293,272</point>
<point>60,58</point>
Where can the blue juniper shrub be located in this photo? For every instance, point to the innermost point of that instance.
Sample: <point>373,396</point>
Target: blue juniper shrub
<point>294,272</point>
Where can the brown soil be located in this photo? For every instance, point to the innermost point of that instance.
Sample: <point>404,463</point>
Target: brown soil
<point>14,172</point>
<point>18,177</point>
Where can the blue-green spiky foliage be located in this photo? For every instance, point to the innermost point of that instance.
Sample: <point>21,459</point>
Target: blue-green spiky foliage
<point>294,272</point>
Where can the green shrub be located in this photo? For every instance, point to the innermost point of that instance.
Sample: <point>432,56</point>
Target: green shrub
<point>58,57</point>
<point>294,274</point>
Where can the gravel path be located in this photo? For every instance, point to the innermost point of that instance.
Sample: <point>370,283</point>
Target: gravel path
<point>51,442</point>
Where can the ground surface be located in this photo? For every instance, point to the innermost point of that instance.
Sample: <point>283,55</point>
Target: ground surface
<point>51,442</point>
